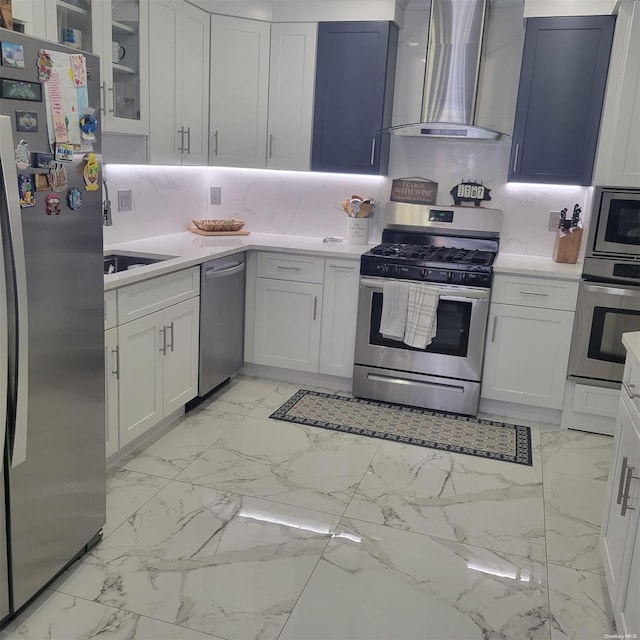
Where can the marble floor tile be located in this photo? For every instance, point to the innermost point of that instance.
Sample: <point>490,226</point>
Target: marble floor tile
<point>218,563</point>
<point>577,605</point>
<point>127,491</point>
<point>488,503</point>
<point>242,394</point>
<point>573,513</point>
<point>576,453</point>
<point>289,463</point>
<point>178,448</point>
<point>377,583</point>
<point>57,616</point>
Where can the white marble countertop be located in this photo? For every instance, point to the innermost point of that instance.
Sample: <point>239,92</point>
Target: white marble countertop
<point>190,249</point>
<point>514,264</point>
<point>631,341</point>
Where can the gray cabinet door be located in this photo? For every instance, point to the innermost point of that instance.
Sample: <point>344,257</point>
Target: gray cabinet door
<point>355,73</point>
<point>562,84</point>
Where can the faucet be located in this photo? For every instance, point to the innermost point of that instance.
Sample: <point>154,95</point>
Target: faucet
<point>106,206</point>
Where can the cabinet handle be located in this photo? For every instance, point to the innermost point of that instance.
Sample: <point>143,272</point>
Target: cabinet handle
<point>625,497</point>
<point>189,140</point>
<point>171,345</point>
<point>373,151</point>
<point>315,307</point>
<point>534,293</point>
<point>515,157</point>
<point>163,348</point>
<point>103,106</point>
<point>215,143</point>
<point>289,268</point>
<point>270,145</point>
<point>623,469</point>
<point>113,100</point>
<point>493,331</point>
<point>181,132</point>
<point>116,353</point>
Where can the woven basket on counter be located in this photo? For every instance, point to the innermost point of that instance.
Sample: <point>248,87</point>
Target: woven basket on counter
<point>230,224</point>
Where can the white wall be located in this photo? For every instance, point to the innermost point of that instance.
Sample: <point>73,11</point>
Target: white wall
<point>166,199</point>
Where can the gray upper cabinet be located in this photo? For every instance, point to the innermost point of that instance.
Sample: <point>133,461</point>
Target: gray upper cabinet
<point>355,72</point>
<point>562,85</point>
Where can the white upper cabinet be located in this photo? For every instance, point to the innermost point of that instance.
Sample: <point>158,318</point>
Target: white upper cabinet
<point>238,91</point>
<point>179,72</point>
<point>291,88</point>
<point>121,40</point>
<point>618,156</point>
<point>118,32</point>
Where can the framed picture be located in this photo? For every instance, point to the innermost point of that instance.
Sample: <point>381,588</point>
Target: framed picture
<point>12,55</point>
<point>19,90</point>
<point>41,182</point>
<point>27,121</point>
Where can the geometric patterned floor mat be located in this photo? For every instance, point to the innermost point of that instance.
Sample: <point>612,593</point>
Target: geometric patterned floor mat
<point>412,425</point>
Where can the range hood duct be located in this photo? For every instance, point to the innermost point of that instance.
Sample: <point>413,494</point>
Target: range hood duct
<point>456,30</point>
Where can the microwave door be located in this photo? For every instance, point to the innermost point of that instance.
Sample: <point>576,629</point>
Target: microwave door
<point>619,224</point>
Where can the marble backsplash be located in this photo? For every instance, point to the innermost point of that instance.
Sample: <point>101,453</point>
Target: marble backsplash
<point>165,199</point>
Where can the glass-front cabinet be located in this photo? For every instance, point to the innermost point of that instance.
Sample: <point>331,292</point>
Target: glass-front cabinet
<point>117,31</point>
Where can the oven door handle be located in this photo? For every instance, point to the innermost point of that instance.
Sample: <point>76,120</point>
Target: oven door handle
<point>612,291</point>
<point>445,291</point>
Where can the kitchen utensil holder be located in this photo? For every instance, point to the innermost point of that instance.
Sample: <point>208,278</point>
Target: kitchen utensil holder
<point>358,230</point>
<point>567,246</point>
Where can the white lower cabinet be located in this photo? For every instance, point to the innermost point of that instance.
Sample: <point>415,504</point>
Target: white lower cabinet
<point>158,367</point>
<point>339,312</point>
<point>111,385</point>
<point>620,531</point>
<point>528,340</point>
<point>301,312</point>
<point>288,331</point>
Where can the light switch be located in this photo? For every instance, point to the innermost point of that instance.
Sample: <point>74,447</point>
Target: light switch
<point>216,195</point>
<point>124,200</point>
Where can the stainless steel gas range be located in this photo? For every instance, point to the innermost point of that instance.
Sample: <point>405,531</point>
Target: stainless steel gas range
<point>453,249</point>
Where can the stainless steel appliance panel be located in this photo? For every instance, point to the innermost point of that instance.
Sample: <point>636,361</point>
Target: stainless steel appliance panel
<point>470,308</point>
<point>222,286</point>
<point>4,569</point>
<point>616,228</point>
<point>417,390</point>
<point>605,311</point>
<point>56,496</point>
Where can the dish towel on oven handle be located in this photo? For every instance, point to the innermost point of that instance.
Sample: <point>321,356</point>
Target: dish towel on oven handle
<point>395,300</point>
<point>422,310</point>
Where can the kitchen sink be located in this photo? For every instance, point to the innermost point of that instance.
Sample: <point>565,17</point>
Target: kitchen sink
<point>117,262</point>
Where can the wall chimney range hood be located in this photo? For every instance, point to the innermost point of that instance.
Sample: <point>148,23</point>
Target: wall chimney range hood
<point>456,30</point>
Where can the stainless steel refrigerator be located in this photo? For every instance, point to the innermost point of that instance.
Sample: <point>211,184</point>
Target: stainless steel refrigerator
<point>52,498</point>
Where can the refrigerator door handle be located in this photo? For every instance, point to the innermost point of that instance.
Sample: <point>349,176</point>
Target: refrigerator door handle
<point>10,176</point>
<point>4,351</point>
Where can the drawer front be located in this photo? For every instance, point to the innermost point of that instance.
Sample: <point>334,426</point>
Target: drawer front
<point>110,310</point>
<point>143,298</point>
<point>599,401</point>
<point>535,292</point>
<point>290,266</point>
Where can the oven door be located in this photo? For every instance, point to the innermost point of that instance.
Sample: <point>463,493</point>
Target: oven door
<point>604,313</point>
<point>456,350</point>
<point>618,231</point>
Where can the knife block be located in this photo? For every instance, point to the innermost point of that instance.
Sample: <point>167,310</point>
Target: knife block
<point>567,247</point>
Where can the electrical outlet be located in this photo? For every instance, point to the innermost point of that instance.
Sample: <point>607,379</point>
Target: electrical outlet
<point>216,195</point>
<point>554,220</point>
<point>124,200</point>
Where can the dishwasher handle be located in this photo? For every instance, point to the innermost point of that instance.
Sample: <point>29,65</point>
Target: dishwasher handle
<point>212,272</point>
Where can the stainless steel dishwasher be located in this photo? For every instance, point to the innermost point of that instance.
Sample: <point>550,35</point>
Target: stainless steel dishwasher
<point>221,321</point>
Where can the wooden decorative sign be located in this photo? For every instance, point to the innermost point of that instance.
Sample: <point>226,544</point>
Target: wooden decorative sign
<point>414,190</point>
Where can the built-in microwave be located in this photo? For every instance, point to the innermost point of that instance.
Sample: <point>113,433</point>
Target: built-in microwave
<point>613,242</point>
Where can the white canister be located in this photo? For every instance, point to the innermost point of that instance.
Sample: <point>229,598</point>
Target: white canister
<point>358,231</point>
